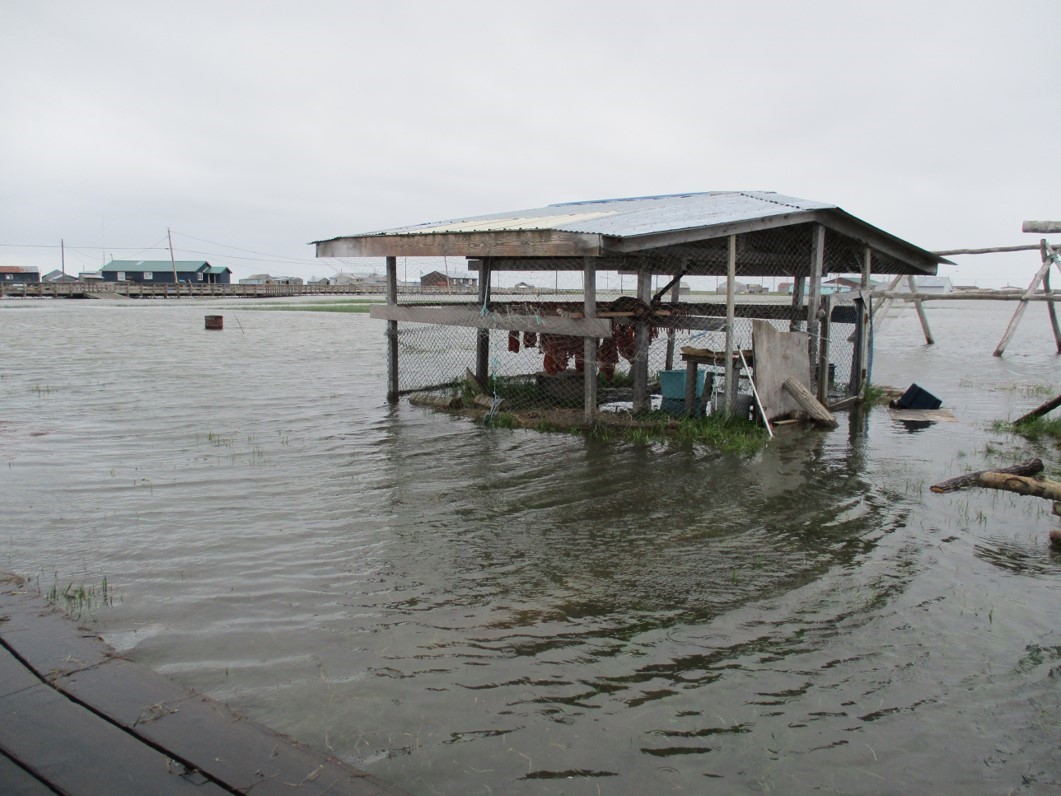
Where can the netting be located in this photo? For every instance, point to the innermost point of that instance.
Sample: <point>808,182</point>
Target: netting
<point>507,346</point>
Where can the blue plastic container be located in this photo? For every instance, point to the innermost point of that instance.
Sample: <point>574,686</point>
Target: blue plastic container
<point>672,383</point>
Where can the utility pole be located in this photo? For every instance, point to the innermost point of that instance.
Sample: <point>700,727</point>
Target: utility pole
<point>173,262</point>
<point>62,255</point>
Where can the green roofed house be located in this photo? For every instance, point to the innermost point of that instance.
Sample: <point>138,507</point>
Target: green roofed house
<point>194,272</point>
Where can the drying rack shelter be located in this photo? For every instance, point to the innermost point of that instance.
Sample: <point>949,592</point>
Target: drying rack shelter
<point>654,242</point>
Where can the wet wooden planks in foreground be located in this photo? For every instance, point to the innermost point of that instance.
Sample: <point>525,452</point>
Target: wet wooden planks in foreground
<point>76,719</point>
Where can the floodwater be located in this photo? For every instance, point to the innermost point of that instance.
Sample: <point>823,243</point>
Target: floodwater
<point>465,610</point>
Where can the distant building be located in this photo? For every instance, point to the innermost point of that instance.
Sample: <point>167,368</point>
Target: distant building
<point>843,283</point>
<point>90,276</point>
<point>195,272</point>
<point>19,275</point>
<point>934,284</point>
<point>439,279</point>
<point>738,287</point>
<point>267,279</point>
<point>58,276</point>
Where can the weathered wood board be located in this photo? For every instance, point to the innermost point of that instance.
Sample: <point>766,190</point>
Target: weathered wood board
<point>75,718</point>
<point>472,318</point>
<point>778,356</point>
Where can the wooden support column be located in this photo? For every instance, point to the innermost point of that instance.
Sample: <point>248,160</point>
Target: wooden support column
<point>823,349</point>
<point>589,356</point>
<point>920,307</point>
<point>798,291</point>
<point>675,294</point>
<point>392,332</point>
<point>814,295</point>
<point>1047,251</point>
<point>860,361</point>
<point>729,397</point>
<point>642,402</point>
<point>482,339</point>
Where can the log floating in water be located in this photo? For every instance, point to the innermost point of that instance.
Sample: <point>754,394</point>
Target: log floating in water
<point>1030,467</point>
<point>1039,411</point>
<point>1022,485</point>
<point>809,404</point>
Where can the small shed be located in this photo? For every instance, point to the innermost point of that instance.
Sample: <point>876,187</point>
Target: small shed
<point>934,285</point>
<point>738,235</point>
<point>19,275</point>
<point>194,272</point>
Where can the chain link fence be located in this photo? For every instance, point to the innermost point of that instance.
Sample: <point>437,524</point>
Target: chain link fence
<point>683,306</point>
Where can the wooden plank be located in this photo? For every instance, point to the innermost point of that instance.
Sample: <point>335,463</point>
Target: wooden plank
<point>472,318</point>
<point>511,243</point>
<point>76,751</point>
<point>218,741</point>
<point>958,295</point>
<point>16,781</point>
<point>778,356</point>
<point>991,250</point>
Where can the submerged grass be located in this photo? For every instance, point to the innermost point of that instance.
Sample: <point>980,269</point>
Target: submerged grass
<point>81,599</point>
<point>1037,429</point>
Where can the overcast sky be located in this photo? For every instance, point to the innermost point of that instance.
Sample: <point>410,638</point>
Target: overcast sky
<point>260,126</point>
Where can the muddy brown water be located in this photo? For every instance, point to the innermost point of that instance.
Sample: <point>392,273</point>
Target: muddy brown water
<point>466,610</point>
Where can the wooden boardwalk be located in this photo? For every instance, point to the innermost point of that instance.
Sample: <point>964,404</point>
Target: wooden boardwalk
<point>77,719</point>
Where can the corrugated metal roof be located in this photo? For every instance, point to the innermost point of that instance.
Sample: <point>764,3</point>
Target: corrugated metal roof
<point>621,218</point>
<point>154,265</point>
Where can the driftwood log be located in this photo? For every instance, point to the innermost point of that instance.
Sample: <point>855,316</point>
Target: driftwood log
<point>1022,485</point>
<point>1039,411</point>
<point>1030,467</point>
<point>809,404</point>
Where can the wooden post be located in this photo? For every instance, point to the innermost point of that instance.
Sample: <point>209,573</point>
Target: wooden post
<point>589,356</point>
<point>1048,251</point>
<point>814,295</point>
<point>482,338</point>
<point>392,332</point>
<point>880,312</point>
<point>1048,260</point>
<point>671,332</point>
<point>860,360</point>
<point>920,307</point>
<point>729,396</point>
<point>798,292</point>
<point>642,402</point>
<point>823,350</point>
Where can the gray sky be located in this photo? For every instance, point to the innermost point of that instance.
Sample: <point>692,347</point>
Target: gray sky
<point>264,125</point>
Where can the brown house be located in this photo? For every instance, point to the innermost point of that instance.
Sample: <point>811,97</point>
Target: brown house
<point>439,279</point>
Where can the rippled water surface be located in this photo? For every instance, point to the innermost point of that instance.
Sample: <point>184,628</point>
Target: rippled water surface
<point>466,610</point>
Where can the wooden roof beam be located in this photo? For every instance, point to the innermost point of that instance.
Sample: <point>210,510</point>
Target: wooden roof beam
<point>514,243</point>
